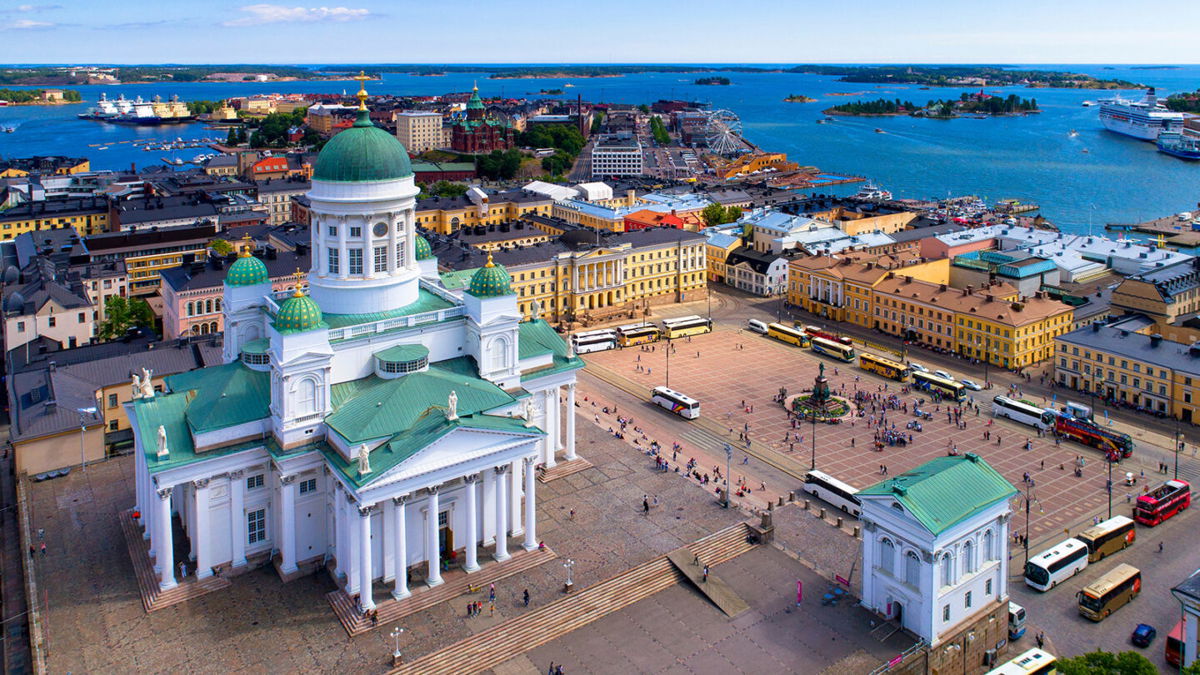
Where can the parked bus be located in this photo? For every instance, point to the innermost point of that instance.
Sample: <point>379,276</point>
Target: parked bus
<point>594,340</point>
<point>1162,502</point>
<point>1023,412</point>
<point>684,406</point>
<point>1033,662</point>
<point>832,491</point>
<point>786,334</point>
<point>837,350</point>
<point>949,389</point>
<point>818,332</point>
<point>685,326</point>
<point>1114,444</point>
<point>885,367</point>
<point>1110,592</point>
<point>637,334</point>
<point>1173,649</point>
<point>1048,568</point>
<point>1108,537</point>
<point>1016,621</point>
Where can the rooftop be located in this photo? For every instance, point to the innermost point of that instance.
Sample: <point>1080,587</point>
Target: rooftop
<point>1122,339</point>
<point>945,491</point>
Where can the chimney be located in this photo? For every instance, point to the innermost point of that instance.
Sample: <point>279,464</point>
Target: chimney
<point>1155,339</point>
<point>1095,326</point>
<point>988,298</point>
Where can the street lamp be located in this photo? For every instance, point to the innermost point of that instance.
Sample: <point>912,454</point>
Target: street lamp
<point>728,458</point>
<point>1111,460</point>
<point>1178,446</point>
<point>814,440</point>
<point>1029,499</point>
<point>667,349</point>
<point>568,564</point>
<point>396,632</point>
<point>82,429</point>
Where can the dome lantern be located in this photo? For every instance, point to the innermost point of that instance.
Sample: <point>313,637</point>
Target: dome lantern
<point>490,281</point>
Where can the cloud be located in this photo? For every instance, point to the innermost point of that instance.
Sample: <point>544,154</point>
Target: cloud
<point>264,13</point>
<point>26,24</point>
<point>30,8</point>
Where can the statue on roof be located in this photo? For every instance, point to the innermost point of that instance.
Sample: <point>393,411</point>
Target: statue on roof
<point>529,412</point>
<point>137,386</point>
<point>535,310</point>
<point>147,386</point>
<point>364,460</point>
<point>452,406</point>
<point>163,451</point>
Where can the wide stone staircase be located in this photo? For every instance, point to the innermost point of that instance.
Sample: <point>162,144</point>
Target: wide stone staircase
<point>153,598</point>
<point>498,644</point>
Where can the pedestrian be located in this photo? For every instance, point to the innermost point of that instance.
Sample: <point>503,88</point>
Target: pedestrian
<point>550,671</point>
<point>470,606</point>
<point>645,506</point>
<point>44,550</point>
<point>1041,640</point>
<point>1160,547</point>
<point>706,567</point>
<point>492,608</point>
<point>525,597</point>
<point>492,592</point>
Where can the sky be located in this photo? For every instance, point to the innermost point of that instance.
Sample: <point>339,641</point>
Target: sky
<point>600,31</point>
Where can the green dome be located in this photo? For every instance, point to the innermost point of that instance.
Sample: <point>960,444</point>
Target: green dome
<point>362,153</point>
<point>424,251</point>
<point>475,103</point>
<point>297,314</point>
<point>490,281</point>
<point>247,271</point>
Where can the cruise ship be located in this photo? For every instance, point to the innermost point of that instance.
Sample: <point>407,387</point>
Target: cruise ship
<point>139,111</point>
<point>1144,119</point>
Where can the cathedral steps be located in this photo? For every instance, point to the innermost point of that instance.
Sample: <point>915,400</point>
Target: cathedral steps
<point>564,469</point>
<point>517,636</point>
<point>153,598</point>
<point>422,598</point>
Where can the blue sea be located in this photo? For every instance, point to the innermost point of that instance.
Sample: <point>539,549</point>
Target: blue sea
<point>1081,181</point>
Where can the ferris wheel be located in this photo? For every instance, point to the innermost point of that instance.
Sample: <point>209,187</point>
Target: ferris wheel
<point>723,132</point>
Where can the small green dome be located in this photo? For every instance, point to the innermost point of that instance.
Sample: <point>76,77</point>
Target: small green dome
<point>362,153</point>
<point>424,251</point>
<point>490,281</point>
<point>298,314</point>
<point>247,271</point>
<point>475,103</point>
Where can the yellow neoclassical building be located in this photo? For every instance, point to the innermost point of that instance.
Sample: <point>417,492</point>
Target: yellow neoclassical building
<point>840,287</point>
<point>87,215</point>
<point>446,215</point>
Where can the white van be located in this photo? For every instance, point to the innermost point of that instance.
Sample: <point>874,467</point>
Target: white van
<point>756,326</point>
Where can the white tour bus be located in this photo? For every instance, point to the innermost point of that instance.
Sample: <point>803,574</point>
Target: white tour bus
<point>684,406</point>
<point>1019,411</point>
<point>1049,568</point>
<point>594,340</point>
<point>833,491</point>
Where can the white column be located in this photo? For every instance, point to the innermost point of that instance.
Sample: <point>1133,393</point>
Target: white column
<point>550,405</point>
<point>350,509</point>
<point>339,525</point>
<point>393,265</point>
<point>489,506</point>
<point>559,443</point>
<point>166,550</point>
<point>343,257</point>
<point>400,547</point>
<point>571,422</point>
<point>472,562</point>
<point>201,543</point>
<point>287,537</point>
<point>501,516</point>
<point>515,525</point>
<point>530,508</point>
<point>366,601</point>
<point>237,517</point>
<point>433,575</point>
<point>1190,625</point>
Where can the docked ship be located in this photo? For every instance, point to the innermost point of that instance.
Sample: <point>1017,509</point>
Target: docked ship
<point>140,112</point>
<point>106,109</point>
<point>1144,119</point>
<point>872,192</point>
<point>1178,145</point>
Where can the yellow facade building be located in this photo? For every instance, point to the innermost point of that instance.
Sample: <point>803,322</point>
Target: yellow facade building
<point>748,164</point>
<point>446,215</point>
<point>87,215</point>
<point>855,222</point>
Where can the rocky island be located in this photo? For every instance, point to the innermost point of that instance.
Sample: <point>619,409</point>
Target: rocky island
<point>719,81</point>
<point>799,98</point>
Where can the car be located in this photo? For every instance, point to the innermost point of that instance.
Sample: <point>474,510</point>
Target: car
<point>970,384</point>
<point>1143,635</point>
<point>917,367</point>
<point>944,375</point>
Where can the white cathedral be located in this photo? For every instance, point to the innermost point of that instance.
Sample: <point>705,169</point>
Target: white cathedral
<point>378,425</point>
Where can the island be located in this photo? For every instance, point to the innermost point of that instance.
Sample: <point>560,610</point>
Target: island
<point>798,98</point>
<point>39,96</point>
<point>551,92</point>
<point>968,104</point>
<point>964,76</point>
<point>711,81</point>
<point>54,76</point>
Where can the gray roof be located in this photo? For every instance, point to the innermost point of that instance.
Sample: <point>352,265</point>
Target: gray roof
<point>930,230</point>
<point>517,196</point>
<point>221,160</point>
<point>758,261</point>
<point>1121,340</point>
<point>42,281</point>
<point>138,211</point>
<point>283,185</point>
<point>200,275</point>
<point>451,254</point>
<point>1189,587</point>
<point>56,208</point>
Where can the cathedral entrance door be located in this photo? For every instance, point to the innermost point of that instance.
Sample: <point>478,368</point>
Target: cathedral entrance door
<point>445,536</point>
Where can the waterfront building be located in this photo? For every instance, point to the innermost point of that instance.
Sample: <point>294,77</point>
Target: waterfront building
<point>419,130</point>
<point>935,558</point>
<point>616,155</point>
<point>755,163</point>
<point>222,165</point>
<point>1167,294</point>
<point>367,423</point>
<point>856,219</point>
<point>49,165</point>
<point>478,207</point>
<point>479,133</point>
<point>83,215</point>
<point>277,195</point>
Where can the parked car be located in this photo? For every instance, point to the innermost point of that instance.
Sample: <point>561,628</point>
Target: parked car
<point>917,367</point>
<point>756,326</point>
<point>1143,635</point>
<point>944,375</point>
<point>970,384</point>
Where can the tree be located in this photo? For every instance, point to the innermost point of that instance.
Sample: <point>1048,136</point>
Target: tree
<point>715,214</point>
<point>121,314</point>
<point>221,247</point>
<point>232,139</point>
<point>1107,663</point>
<point>644,108</point>
<point>500,165</point>
<point>1193,669</point>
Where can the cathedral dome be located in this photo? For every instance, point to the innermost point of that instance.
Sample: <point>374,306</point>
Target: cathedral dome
<point>490,281</point>
<point>362,153</point>
<point>424,250</point>
<point>298,314</point>
<point>247,271</point>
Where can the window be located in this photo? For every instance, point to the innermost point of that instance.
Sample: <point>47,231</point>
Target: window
<point>81,317</point>
<point>255,481</point>
<point>968,554</point>
<point>912,569</point>
<point>987,587</point>
<point>112,400</point>
<point>20,326</point>
<point>51,322</point>
<point>334,261</point>
<point>967,600</point>
<point>256,526</point>
<point>112,425</point>
<point>356,260</point>
<point>989,551</point>
<point>380,259</point>
<point>945,612</point>
<point>307,486</point>
<point>332,231</point>
<point>355,231</point>
<point>400,254</point>
<point>947,570</point>
<point>887,555</point>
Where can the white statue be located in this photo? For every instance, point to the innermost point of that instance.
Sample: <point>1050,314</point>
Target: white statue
<point>452,406</point>
<point>163,451</point>
<point>364,460</point>
<point>570,348</point>
<point>529,412</point>
<point>147,385</point>
<point>137,387</point>
<point>535,310</point>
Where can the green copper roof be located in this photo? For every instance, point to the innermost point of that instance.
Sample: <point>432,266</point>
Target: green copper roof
<point>223,396</point>
<point>259,346</point>
<point>475,103</point>
<point>424,251</point>
<point>361,154</point>
<point>455,280</point>
<point>536,338</point>
<point>247,271</point>
<point>298,314</point>
<point>425,302</point>
<point>945,491</point>
<point>401,353</point>
<point>490,281</point>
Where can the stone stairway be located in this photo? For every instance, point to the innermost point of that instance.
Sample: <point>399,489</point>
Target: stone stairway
<point>153,598</point>
<point>390,609</point>
<point>714,587</point>
<point>564,469</point>
<point>516,636</point>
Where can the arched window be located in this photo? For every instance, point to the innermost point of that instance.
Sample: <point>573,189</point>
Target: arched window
<point>306,396</point>
<point>947,569</point>
<point>218,305</point>
<point>887,556</point>
<point>989,546</point>
<point>191,309</point>
<point>912,569</point>
<point>213,328</point>
<point>204,329</point>
<point>968,555</point>
<point>208,307</point>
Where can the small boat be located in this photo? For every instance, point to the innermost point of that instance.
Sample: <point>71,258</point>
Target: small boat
<point>105,147</point>
<point>1073,133</point>
<point>879,131</point>
<point>822,121</point>
<point>568,84</point>
<point>9,130</point>
<point>1088,104</point>
<point>1085,151</point>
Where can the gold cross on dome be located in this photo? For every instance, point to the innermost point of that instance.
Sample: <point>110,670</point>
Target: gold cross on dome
<point>362,78</point>
<point>247,245</point>
<point>299,276</point>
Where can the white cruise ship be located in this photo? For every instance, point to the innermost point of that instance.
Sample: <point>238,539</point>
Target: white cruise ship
<point>1144,119</point>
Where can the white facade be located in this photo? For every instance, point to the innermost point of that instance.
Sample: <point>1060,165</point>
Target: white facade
<point>419,131</point>
<point>617,158</point>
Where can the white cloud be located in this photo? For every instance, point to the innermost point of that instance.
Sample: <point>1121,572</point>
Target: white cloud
<point>26,24</point>
<point>264,13</point>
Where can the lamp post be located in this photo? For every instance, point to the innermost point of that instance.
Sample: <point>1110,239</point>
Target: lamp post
<point>1109,458</point>
<point>568,564</point>
<point>396,632</point>
<point>82,430</point>
<point>1029,499</point>
<point>667,349</point>
<point>814,441</point>
<point>1178,446</point>
<point>728,459</point>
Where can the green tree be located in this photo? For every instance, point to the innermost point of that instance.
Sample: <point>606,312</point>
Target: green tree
<point>1107,663</point>
<point>659,131</point>
<point>597,121</point>
<point>715,214</point>
<point>644,108</point>
<point>232,139</point>
<point>121,314</point>
<point>221,247</point>
<point>1193,669</point>
<point>444,188</point>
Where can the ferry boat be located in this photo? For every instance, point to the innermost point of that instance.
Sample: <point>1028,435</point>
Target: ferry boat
<point>139,111</point>
<point>1178,145</point>
<point>1144,119</point>
<point>872,192</point>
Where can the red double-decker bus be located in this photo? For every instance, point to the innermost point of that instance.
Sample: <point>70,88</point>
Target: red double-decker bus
<point>1162,502</point>
<point>1114,444</point>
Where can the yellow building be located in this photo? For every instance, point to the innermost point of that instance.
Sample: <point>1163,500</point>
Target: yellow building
<point>46,166</point>
<point>841,287</point>
<point>445,215</point>
<point>1013,333</point>
<point>855,222</point>
<point>147,252</point>
<point>748,164</point>
<point>1163,294</point>
<point>717,249</point>
<point>87,215</point>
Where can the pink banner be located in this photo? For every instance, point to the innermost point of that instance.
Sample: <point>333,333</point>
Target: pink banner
<point>842,580</point>
<point>799,592</point>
